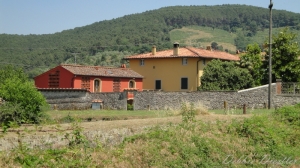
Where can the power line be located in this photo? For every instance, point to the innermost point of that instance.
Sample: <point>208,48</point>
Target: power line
<point>40,48</point>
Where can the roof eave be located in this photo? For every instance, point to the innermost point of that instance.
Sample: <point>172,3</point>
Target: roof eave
<point>110,76</point>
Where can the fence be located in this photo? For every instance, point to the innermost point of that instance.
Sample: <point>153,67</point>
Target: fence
<point>290,88</point>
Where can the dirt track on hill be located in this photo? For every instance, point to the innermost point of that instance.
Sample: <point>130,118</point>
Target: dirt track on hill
<point>108,132</point>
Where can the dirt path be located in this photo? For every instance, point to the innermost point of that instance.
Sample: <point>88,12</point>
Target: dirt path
<point>109,132</point>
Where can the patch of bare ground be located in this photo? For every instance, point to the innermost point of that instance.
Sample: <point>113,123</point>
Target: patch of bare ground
<point>115,124</point>
<point>107,132</point>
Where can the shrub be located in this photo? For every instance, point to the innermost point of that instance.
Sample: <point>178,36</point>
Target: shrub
<point>224,75</point>
<point>188,112</point>
<point>24,101</point>
<point>289,114</point>
<point>200,109</point>
<point>129,107</point>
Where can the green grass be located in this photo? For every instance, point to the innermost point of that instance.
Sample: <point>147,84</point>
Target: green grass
<point>264,140</point>
<point>239,111</point>
<point>199,36</point>
<point>96,115</point>
<point>66,116</point>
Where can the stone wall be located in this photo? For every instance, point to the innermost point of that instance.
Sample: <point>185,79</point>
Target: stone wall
<point>111,100</point>
<point>79,100</point>
<point>253,98</point>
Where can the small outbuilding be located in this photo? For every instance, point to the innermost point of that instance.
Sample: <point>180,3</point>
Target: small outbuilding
<point>92,78</point>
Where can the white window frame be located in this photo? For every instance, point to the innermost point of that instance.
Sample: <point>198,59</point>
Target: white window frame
<point>184,61</point>
<point>142,62</point>
<point>100,85</point>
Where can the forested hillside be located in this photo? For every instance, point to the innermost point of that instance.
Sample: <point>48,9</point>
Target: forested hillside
<point>134,33</point>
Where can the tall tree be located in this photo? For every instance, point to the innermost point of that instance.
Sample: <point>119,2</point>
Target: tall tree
<point>285,56</point>
<point>252,61</point>
<point>224,75</point>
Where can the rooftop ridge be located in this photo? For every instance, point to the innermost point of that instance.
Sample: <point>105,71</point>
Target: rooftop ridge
<point>93,66</point>
<point>190,49</point>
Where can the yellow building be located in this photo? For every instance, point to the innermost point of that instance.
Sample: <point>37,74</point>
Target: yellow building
<point>178,69</point>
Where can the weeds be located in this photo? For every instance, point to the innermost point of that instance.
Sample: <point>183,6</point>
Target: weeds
<point>76,137</point>
<point>259,141</point>
<point>188,112</point>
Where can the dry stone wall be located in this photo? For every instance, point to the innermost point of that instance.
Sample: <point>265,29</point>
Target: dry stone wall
<point>253,98</point>
<point>79,100</point>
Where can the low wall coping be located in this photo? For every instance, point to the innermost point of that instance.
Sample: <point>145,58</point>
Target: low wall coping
<point>245,90</point>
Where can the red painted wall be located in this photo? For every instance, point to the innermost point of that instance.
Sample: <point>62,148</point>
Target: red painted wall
<point>69,80</point>
<point>65,78</point>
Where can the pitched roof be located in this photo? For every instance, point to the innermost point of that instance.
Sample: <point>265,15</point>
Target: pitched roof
<point>101,71</point>
<point>187,52</point>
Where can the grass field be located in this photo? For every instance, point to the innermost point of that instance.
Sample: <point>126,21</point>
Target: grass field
<point>66,116</point>
<point>240,111</point>
<point>265,140</point>
<point>199,36</point>
<point>97,115</point>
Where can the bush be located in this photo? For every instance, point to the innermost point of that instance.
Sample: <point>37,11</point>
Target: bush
<point>129,107</point>
<point>289,114</point>
<point>224,75</point>
<point>11,112</point>
<point>22,99</point>
<point>188,112</point>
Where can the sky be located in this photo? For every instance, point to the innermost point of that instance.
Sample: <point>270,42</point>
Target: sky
<point>52,16</point>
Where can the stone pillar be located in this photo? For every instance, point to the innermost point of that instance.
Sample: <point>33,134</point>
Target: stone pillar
<point>278,86</point>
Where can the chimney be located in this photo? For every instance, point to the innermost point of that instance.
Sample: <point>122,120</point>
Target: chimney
<point>176,49</point>
<point>123,66</point>
<point>153,50</point>
<point>208,48</point>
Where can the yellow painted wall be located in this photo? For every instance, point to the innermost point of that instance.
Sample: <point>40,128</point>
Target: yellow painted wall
<point>169,71</point>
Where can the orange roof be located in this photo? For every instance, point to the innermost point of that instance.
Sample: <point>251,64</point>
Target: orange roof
<point>101,71</point>
<point>187,52</point>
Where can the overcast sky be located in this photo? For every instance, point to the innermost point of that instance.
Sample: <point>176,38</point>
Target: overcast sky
<point>51,16</point>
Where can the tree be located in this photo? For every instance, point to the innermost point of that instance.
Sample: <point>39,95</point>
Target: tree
<point>285,57</point>
<point>252,61</point>
<point>219,75</point>
<point>214,45</point>
<point>241,41</point>
<point>20,93</point>
<point>10,72</point>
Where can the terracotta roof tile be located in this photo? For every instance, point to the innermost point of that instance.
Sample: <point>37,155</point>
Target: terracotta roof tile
<point>101,71</point>
<point>61,89</point>
<point>187,52</point>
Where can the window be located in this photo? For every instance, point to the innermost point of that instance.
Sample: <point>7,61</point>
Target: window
<point>142,62</point>
<point>184,83</point>
<point>85,82</point>
<point>184,61</point>
<point>203,61</point>
<point>116,85</point>
<point>131,84</point>
<point>157,84</point>
<point>97,85</point>
<point>54,80</point>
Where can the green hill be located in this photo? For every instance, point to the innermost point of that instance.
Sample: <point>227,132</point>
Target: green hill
<point>199,36</point>
<point>137,33</point>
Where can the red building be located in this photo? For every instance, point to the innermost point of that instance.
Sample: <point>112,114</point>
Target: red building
<point>92,78</point>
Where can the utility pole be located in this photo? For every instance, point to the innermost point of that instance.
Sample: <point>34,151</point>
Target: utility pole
<point>270,57</point>
<point>75,56</point>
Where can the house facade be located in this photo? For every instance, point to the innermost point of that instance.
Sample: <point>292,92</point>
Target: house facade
<point>92,78</point>
<point>178,69</point>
